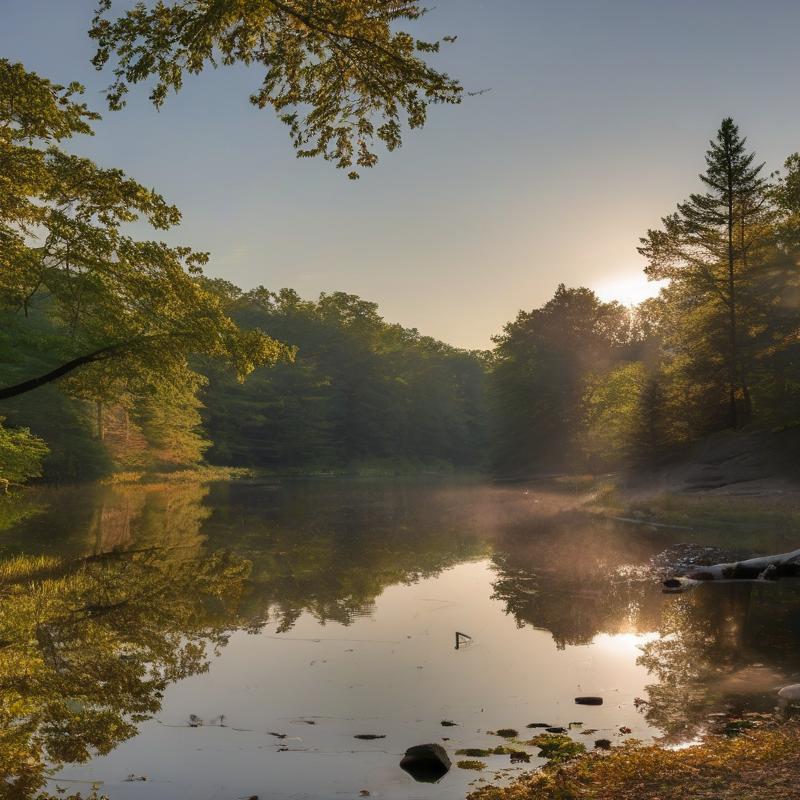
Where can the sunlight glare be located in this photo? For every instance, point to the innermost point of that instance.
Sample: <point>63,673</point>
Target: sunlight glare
<point>628,288</point>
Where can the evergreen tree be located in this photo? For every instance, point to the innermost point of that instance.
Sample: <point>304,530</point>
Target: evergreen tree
<point>706,249</point>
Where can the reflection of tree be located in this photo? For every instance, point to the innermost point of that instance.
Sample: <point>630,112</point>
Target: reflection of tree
<point>574,576</point>
<point>163,514</point>
<point>88,646</point>
<point>98,518</point>
<point>86,650</point>
<point>15,508</point>
<point>716,645</point>
<point>331,554</point>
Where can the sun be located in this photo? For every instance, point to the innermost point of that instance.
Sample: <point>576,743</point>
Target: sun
<point>629,287</point>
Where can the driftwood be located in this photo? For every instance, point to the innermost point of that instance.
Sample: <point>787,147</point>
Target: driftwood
<point>765,568</point>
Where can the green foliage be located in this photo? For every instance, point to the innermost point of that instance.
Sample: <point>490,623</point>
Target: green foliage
<point>580,384</point>
<point>21,455</point>
<point>538,371</point>
<point>556,747</point>
<point>337,72</point>
<point>361,392</point>
<point>127,312</point>
<point>711,249</point>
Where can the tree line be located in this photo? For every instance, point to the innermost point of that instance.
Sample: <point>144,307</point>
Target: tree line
<point>117,352</point>
<point>584,384</point>
<point>112,320</point>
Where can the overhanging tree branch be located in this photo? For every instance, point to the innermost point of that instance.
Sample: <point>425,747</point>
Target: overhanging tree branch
<point>62,370</point>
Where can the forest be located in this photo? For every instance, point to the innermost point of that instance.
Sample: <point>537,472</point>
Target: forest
<point>118,354</point>
<point>158,408</point>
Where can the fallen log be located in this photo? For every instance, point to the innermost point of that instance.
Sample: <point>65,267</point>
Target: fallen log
<point>764,568</point>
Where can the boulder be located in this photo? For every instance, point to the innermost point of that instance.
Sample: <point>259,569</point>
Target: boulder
<point>427,763</point>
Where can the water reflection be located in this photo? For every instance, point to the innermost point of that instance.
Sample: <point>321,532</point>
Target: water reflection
<point>87,649</point>
<point>577,576</point>
<point>110,594</point>
<point>721,650</point>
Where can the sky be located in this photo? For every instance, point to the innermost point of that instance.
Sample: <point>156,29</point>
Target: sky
<point>595,126</point>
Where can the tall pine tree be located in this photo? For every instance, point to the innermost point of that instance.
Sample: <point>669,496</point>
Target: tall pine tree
<point>706,248</point>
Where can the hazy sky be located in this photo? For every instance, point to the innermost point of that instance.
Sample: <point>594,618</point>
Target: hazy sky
<point>596,125</point>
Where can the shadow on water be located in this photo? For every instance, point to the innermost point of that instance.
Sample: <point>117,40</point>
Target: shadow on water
<point>111,594</point>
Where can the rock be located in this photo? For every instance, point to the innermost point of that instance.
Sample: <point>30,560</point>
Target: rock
<point>589,701</point>
<point>368,737</point>
<point>603,744</point>
<point>556,730</point>
<point>426,763</point>
<point>789,695</point>
<point>520,756</point>
<point>448,723</point>
<point>507,733</point>
<point>539,725</point>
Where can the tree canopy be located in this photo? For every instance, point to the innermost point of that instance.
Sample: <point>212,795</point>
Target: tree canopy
<point>64,250</point>
<point>337,72</point>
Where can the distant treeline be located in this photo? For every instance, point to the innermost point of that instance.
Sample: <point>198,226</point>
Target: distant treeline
<point>355,393</point>
<point>359,391</point>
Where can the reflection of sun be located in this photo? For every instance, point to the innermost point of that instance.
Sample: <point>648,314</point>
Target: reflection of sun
<point>628,288</point>
<point>624,644</point>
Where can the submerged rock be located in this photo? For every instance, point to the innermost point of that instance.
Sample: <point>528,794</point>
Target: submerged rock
<point>426,763</point>
<point>589,701</point>
<point>603,744</point>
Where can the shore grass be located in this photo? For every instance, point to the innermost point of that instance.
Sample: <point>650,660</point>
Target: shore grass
<point>762,765</point>
<point>201,474</point>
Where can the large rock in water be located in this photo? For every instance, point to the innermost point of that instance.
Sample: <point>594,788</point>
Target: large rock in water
<point>427,763</point>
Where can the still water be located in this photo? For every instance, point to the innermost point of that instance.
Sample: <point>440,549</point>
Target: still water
<point>233,639</point>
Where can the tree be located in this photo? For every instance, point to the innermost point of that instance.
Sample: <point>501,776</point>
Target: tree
<point>360,393</point>
<point>537,382</point>
<point>127,313</point>
<point>21,455</point>
<point>338,73</point>
<point>706,249</point>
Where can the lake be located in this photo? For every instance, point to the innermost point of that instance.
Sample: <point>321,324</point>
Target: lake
<point>224,640</point>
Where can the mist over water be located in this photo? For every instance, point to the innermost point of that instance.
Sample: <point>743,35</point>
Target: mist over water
<point>342,624</point>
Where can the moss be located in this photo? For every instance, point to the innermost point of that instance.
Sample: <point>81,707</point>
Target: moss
<point>507,733</point>
<point>765,765</point>
<point>480,752</point>
<point>470,764</point>
<point>556,747</point>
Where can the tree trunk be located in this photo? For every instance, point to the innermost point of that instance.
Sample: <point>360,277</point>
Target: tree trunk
<point>734,354</point>
<point>784,565</point>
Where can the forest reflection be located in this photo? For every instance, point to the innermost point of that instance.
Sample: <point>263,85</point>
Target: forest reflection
<point>145,583</point>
